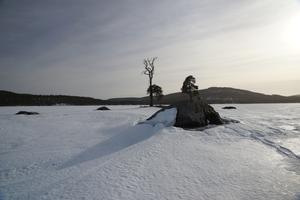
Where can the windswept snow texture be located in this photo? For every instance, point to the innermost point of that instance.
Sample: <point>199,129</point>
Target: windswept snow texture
<point>74,152</point>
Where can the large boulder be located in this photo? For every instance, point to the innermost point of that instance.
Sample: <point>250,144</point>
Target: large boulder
<point>196,114</point>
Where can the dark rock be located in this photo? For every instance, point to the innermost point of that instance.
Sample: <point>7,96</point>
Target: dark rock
<point>196,114</point>
<point>26,113</point>
<point>229,107</point>
<point>212,116</point>
<point>103,108</point>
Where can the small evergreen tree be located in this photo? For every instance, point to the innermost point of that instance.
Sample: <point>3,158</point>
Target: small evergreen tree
<point>157,92</point>
<point>189,87</point>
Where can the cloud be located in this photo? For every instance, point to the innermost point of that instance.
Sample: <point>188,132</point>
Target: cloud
<point>78,47</point>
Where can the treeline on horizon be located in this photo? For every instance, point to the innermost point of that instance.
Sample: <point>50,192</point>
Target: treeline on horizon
<point>14,99</point>
<point>212,95</point>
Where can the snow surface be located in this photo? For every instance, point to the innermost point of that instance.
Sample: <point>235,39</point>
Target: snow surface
<point>75,152</point>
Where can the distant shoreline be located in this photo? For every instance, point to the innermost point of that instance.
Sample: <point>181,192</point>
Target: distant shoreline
<point>213,95</point>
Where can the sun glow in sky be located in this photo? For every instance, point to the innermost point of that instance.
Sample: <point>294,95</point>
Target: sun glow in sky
<point>95,48</point>
<point>292,31</point>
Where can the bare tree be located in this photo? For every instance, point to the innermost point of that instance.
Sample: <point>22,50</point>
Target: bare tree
<point>149,71</point>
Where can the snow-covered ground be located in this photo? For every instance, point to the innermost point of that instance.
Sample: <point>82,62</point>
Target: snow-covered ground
<point>75,152</point>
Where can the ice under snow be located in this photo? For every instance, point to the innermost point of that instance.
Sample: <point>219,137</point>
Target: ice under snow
<point>75,152</point>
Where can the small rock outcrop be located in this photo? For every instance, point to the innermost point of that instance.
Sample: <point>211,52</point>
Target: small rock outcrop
<point>27,113</point>
<point>103,108</point>
<point>229,107</point>
<point>196,114</point>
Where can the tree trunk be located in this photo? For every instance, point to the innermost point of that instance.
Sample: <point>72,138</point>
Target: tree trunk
<point>151,93</point>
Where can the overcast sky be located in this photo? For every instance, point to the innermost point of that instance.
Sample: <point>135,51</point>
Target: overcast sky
<point>96,47</point>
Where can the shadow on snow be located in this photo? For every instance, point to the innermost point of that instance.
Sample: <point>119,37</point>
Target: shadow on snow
<point>119,141</point>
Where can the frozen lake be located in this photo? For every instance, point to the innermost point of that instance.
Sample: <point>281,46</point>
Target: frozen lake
<point>75,152</point>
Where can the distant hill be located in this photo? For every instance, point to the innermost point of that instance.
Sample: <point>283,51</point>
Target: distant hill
<point>212,95</point>
<point>298,95</point>
<point>13,99</point>
<point>220,95</point>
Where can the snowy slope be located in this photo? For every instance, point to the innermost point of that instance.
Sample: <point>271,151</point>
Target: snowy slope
<point>71,152</point>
